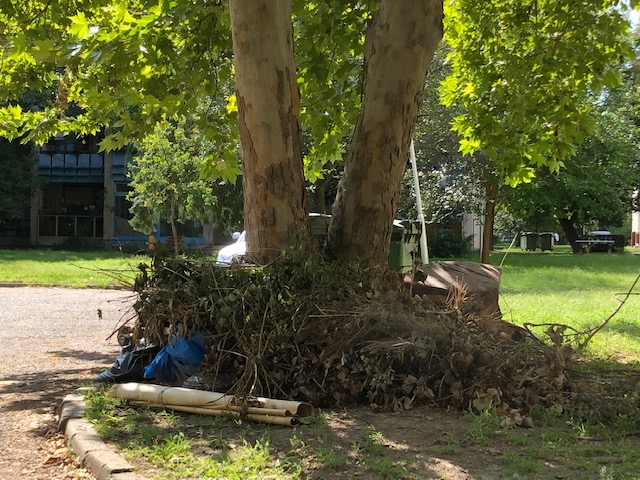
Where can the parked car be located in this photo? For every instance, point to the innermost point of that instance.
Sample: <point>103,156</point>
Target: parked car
<point>235,251</point>
<point>602,241</point>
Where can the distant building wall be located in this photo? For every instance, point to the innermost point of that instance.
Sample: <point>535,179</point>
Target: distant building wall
<point>472,227</point>
<point>84,199</point>
<point>634,240</point>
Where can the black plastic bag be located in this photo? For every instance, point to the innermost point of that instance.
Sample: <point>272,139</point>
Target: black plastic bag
<point>129,367</point>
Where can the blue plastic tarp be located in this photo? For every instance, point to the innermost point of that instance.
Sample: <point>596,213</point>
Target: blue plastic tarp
<point>178,360</point>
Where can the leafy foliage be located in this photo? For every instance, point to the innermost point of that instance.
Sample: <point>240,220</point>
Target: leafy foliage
<point>167,183</point>
<point>330,74</point>
<point>448,244</point>
<point>125,64</point>
<point>596,185</point>
<point>18,179</point>
<point>450,181</point>
<point>520,71</point>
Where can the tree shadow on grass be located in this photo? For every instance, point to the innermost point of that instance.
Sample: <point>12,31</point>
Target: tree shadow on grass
<point>624,328</point>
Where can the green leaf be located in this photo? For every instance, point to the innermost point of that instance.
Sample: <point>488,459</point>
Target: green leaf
<point>232,105</point>
<point>612,78</point>
<point>43,50</point>
<point>469,145</point>
<point>79,26</point>
<point>146,71</point>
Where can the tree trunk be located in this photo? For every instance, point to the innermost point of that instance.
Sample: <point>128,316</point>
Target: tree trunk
<point>487,230</point>
<point>491,189</point>
<point>321,191</point>
<point>174,229</point>
<point>399,46</point>
<point>275,202</point>
<point>570,232</point>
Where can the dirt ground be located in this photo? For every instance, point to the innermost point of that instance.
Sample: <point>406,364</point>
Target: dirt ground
<point>424,443</point>
<point>54,341</point>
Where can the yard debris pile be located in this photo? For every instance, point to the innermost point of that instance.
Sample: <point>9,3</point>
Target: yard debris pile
<point>304,329</point>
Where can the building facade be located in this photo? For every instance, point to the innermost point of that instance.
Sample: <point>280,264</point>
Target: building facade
<point>84,200</point>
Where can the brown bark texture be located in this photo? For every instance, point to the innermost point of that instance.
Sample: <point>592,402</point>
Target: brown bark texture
<point>487,231</point>
<point>570,232</point>
<point>275,203</point>
<point>399,46</point>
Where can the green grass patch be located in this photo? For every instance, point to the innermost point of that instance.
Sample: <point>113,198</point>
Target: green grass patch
<point>67,268</point>
<point>175,449</point>
<point>576,290</point>
<point>558,447</point>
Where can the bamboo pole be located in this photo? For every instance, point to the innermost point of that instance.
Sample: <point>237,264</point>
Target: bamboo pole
<point>230,408</point>
<point>261,416</point>
<point>269,410</point>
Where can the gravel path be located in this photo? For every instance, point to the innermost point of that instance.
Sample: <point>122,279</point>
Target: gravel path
<point>53,342</point>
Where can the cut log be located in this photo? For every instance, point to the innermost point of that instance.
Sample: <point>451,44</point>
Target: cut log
<point>439,281</point>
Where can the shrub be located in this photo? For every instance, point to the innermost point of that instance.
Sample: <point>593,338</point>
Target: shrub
<point>448,244</point>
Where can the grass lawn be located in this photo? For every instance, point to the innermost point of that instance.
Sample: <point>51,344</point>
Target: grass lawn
<point>576,290</point>
<point>68,269</point>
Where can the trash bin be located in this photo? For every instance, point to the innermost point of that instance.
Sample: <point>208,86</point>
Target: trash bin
<point>547,241</point>
<point>528,240</point>
<point>405,240</point>
<point>319,226</point>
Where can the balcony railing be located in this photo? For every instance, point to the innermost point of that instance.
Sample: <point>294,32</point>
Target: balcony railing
<point>70,226</point>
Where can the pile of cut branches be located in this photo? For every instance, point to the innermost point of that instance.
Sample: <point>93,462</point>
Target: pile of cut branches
<point>304,329</point>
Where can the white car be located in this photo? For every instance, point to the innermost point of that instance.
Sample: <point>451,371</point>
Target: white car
<point>233,252</point>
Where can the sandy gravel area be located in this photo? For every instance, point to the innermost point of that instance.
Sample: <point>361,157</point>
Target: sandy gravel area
<point>53,341</point>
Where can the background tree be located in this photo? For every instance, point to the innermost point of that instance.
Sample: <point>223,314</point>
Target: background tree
<point>166,180</point>
<point>595,187</point>
<point>451,182</point>
<point>519,74</point>
<point>444,173</point>
<point>18,178</point>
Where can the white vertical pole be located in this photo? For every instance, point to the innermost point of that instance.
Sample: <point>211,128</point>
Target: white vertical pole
<point>424,252</point>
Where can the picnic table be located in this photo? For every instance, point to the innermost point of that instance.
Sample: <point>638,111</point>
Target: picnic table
<point>589,243</point>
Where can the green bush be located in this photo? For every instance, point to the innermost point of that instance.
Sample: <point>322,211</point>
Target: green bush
<point>621,242</point>
<point>448,244</point>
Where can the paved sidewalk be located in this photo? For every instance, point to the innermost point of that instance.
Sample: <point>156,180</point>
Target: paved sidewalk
<point>53,341</point>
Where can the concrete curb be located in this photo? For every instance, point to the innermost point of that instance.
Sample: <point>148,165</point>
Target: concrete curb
<point>103,462</point>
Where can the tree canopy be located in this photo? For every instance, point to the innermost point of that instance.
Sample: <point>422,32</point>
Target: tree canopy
<point>124,65</point>
<point>520,70</point>
<point>596,186</point>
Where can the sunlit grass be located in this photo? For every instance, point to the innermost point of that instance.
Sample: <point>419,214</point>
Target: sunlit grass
<point>576,290</point>
<point>69,269</point>
<point>150,435</point>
